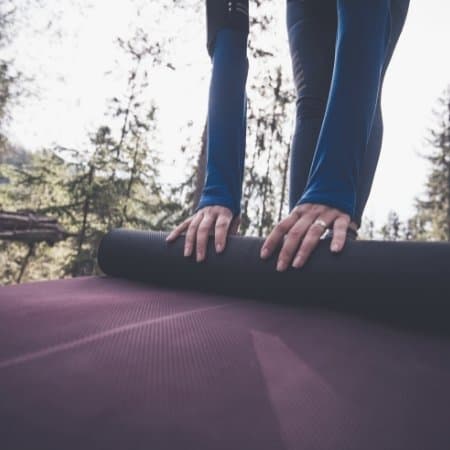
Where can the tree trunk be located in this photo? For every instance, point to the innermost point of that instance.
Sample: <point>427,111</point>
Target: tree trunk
<point>25,262</point>
<point>201,170</point>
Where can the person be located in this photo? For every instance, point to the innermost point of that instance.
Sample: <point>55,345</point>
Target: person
<point>340,50</point>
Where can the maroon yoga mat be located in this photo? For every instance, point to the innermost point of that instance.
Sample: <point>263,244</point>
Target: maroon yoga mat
<point>110,363</point>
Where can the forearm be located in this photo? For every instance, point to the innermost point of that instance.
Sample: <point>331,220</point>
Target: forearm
<point>363,33</point>
<point>226,122</point>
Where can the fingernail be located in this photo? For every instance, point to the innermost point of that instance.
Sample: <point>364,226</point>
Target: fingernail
<point>186,251</point>
<point>280,266</point>
<point>264,253</point>
<point>297,262</point>
<point>335,247</point>
<point>218,247</point>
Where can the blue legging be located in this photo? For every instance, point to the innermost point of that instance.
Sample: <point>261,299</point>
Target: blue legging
<point>339,59</point>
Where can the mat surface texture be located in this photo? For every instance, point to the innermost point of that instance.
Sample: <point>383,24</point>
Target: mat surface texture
<point>110,363</point>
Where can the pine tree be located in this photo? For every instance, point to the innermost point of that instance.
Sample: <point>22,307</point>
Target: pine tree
<point>432,218</point>
<point>111,182</point>
<point>34,185</point>
<point>392,230</point>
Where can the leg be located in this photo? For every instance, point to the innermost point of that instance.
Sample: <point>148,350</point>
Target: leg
<point>311,29</point>
<point>399,10</point>
<point>361,43</point>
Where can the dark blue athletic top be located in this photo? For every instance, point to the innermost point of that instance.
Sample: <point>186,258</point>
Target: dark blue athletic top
<point>226,123</point>
<point>346,124</point>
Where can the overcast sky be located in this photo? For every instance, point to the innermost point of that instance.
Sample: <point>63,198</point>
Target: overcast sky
<point>76,75</point>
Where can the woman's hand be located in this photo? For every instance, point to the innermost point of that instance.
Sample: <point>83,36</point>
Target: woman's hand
<point>299,227</point>
<point>210,220</point>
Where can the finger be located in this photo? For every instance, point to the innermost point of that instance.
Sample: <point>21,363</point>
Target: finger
<point>221,231</point>
<point>311,240</point>
<point>178,230</point>
<point>339,233</point>
<point>277,234</point>
<point>203,232</point>
<point>293,239</point>
<point>189,242</point>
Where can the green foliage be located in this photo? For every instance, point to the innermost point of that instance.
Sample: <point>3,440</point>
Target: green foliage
<point>114,182</point>
<point>393,230</point>
<point>432,218</point>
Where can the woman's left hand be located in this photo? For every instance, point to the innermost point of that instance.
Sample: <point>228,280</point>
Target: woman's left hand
<point>299,227</point>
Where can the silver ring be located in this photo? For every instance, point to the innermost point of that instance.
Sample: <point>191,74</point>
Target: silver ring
<point>320,222</point>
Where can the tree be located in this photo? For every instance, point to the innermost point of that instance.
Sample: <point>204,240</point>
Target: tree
<point>393,229</point>
<point>432,217</point>
<point>112,182</point>
<point>36,187</point>
<point>7,75</point>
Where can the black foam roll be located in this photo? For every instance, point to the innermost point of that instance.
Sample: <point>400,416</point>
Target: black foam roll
<point>362,265</point>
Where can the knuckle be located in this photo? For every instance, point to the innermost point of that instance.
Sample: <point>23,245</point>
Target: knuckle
<point>295,233</point>
<point>194,224</point>
<point>283,227</point>
<point>304,206</point>
<point>310,216</point>
<point>190,237</point>
<point>309,242</point>
<point>317,231</point>
<point>221,209</point>
<point>192,227</point>
<point>221,223</point>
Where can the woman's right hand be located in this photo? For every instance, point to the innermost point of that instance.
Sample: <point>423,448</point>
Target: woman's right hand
<point>211,220</point>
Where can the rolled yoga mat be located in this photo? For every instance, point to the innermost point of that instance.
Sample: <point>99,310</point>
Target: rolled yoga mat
<point>362,266</point>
